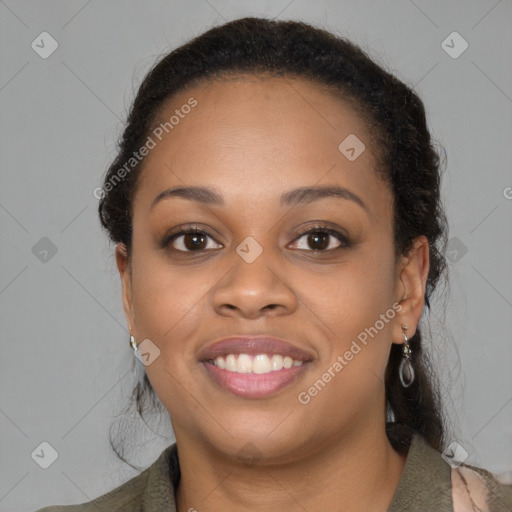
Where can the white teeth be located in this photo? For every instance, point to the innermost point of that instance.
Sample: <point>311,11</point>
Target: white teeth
<point>244,364</point>
<point>231,363</point>
<point>261,363</point>
<point>277,362</point>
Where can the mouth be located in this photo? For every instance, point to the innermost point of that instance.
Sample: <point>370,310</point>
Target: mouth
<point>254,367</point>
<point>258,364</point>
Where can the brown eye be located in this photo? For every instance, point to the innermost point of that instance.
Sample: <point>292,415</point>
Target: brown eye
<point>318,240</point>
<point>190,240</point>
<point>322,239</point>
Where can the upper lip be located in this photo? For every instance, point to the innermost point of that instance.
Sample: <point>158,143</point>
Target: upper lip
<point>253,345</point>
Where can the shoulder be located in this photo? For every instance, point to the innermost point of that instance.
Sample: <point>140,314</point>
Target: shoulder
<point>475,488</point>
<point>132,496</point>
<point>429,482</point>
<point>127,497</point>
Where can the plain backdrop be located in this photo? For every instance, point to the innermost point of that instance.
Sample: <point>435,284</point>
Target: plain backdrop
<point>66,365</point>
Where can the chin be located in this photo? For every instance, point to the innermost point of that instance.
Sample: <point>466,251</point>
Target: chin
<point>258,438</point>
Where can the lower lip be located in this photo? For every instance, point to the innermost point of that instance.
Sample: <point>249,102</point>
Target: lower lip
<point>253,385</point>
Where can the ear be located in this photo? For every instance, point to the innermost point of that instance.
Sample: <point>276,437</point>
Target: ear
<point>123,265</point>
<point>411,283</point>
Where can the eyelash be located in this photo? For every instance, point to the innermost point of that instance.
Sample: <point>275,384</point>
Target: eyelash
<point>345,243</point>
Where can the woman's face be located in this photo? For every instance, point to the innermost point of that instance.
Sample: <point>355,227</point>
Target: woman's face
<point>253,144</point>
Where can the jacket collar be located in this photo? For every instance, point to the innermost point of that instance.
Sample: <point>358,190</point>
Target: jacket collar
<point>425,481</point>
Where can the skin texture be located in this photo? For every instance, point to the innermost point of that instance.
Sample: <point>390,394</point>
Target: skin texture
<point>252,139</point>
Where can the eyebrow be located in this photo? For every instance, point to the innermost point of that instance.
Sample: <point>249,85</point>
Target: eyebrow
<point>302,195</point>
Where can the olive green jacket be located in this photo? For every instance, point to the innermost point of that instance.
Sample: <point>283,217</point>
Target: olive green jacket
<point>425,486</point>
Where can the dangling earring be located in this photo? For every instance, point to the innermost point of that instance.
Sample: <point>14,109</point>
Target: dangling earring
<point>137,368</point>
<point>133,343</point>
<point>406,371</point>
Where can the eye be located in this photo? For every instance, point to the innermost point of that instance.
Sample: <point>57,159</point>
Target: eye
<point>189,240</point>
<point>321,239</point>
<point>318,238</point>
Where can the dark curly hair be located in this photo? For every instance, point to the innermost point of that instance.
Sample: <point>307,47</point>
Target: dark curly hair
<point>407,161</point>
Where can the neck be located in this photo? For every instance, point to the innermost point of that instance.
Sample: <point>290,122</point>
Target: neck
<point>360,473</point>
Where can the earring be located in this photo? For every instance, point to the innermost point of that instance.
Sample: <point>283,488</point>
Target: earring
<point>406,370</point>
<point>133,343</point>
<point>137,365</point>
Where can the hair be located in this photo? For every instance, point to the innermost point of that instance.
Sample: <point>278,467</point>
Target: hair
<point>407,161</point>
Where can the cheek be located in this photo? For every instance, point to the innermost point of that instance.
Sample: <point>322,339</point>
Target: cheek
<point>169,304</point>
<point>358,292</point>
<point>170,308</point>
<point>356,305</point>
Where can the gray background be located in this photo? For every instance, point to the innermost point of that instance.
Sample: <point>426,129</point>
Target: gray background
<point>66,364</point>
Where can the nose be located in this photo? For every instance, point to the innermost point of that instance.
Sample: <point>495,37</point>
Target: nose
<point>254,289</point>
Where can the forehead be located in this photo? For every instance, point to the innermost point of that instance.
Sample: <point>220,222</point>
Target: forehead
<point>250,107</point>
<point>253,133</point>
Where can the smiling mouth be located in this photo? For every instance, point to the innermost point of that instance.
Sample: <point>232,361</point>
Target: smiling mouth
<point>254,376</point>
<point>256,364</point>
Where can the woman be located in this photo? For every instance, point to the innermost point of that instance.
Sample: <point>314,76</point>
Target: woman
<point>276,208</point>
